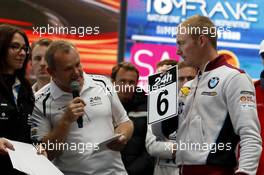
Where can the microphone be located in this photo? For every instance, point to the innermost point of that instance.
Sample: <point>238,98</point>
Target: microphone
<point>262,79</point>
<point>75,87</point>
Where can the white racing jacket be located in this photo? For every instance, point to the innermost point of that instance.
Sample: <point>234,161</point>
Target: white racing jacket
<point>219,111</point>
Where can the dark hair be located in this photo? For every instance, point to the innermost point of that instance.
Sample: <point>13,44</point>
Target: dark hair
<point>6,34</point>
<point>167,62</point>
<point>262,55</point>
<point>125,65</point>
<point>59,45</point>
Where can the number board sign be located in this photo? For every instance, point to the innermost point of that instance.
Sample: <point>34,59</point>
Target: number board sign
<point>163,95</point>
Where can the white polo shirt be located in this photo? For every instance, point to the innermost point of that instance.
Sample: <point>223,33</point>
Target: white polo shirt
<point>104,110</point>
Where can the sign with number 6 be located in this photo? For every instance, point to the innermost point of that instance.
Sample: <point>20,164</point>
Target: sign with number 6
<point>163,95</point>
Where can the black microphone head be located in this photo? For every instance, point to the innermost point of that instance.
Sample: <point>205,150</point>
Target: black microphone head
<point>75,86</point>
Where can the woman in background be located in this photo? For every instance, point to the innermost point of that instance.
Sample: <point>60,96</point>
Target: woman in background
<point>16,96</point>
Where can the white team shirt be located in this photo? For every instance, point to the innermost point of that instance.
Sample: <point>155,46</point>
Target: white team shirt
<point>103,111</point>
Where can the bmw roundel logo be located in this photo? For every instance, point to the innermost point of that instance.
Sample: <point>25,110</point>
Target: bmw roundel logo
<point>213,82</point>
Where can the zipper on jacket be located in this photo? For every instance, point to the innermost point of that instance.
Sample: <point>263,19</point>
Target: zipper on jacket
<point>190,110</point>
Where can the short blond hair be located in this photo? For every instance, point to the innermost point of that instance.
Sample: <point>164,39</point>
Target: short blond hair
<point>59,45</point>
<point>201,23</point>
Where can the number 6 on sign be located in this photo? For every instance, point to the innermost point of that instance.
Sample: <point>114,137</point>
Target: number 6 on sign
<point>160,101</point>
<point>163,96</point>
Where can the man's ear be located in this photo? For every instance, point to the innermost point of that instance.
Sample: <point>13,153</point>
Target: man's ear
<point>203,40</point>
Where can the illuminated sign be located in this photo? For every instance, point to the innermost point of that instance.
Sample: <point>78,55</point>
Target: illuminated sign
<point>239,11</point>
<point>154,22</point>
<point>146,57</point>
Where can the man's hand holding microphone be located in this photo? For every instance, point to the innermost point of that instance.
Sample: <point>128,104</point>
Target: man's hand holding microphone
<point>75,109</point>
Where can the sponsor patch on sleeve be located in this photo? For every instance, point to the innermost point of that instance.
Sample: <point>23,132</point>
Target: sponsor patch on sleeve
<point>247,100</point>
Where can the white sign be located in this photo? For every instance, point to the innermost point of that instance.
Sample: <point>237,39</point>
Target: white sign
<point>163,96</point>
<point>26,159</point>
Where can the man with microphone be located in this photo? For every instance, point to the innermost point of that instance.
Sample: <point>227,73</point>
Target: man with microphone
<point>259,86</point>
<point>75,112</point>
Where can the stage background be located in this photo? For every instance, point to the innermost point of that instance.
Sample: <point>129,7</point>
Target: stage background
<point>98,51</point>
<point>150,31</point>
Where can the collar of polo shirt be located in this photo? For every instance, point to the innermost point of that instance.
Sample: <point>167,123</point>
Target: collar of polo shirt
<point>56,92</point>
